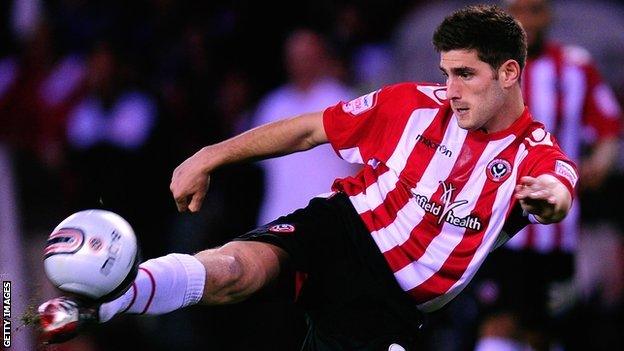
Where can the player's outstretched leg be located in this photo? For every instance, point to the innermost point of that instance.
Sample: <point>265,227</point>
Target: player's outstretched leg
<point>225,275</point>
<point>162,285</point>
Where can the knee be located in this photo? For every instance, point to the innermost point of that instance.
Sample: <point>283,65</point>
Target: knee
<point>224,272</point>
<point>239,269</point>
<point>231,269</point>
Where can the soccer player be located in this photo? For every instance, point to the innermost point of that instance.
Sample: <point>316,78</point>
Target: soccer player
<point>449,174</point>
<point>563,90</point>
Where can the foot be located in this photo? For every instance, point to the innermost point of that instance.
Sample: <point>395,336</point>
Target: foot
<point>62,318</point>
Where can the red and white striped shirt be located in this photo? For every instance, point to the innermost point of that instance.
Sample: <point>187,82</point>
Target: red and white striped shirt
<point>436,198</point>
<point>565,92</point>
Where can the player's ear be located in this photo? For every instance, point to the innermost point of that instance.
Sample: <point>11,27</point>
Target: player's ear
<point>509,73</point>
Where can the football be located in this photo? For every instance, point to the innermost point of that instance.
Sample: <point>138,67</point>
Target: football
<point>92,254</point>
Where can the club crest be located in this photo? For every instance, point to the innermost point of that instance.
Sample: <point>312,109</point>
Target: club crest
<point>498,170</point>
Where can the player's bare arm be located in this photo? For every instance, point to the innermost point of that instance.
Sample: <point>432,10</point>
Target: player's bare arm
<point>545,197</point>
<point>191,178</point>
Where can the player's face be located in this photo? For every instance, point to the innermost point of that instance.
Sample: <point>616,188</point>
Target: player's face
<point>473,89</point>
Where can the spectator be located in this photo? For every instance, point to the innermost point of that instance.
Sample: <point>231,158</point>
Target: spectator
<point>108,134</point>
<point>293,179</point>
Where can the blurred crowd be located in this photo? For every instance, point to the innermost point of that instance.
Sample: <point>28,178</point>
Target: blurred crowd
<point>100,100</point>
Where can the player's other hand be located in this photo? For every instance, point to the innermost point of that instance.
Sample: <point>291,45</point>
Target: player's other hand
<point>63,318</point>
<point>544,197</point>
<point>190,181</point>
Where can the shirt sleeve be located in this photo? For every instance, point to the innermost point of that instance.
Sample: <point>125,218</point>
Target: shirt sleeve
<point>352,127</point>
<point>370,125</point>
<point>551,160</point>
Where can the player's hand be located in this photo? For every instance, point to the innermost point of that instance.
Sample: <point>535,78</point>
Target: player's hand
<point>189,182</point>
<point>63,318</point>
<point>541,197</point>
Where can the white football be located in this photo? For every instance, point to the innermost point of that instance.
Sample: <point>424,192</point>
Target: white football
<point>93,254</point>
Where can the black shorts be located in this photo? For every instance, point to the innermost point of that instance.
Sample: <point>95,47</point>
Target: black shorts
<point>350,296</point>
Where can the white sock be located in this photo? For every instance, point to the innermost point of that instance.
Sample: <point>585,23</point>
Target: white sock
<point>162,285</point>
<point>500,344</point>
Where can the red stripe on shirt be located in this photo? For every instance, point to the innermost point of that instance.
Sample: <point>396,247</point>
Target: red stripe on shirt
<point>428,228</point>
<point>457,262</point>
<point>397,198</point>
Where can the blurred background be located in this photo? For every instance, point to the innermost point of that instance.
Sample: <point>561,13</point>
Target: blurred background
<point>101,100</point>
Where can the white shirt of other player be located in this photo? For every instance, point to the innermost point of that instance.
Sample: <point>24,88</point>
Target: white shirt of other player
<point>565,92</point>
<point>436,198</point>
<point>291,181</point>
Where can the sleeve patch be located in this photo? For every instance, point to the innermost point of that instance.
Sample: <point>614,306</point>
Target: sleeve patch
<point>361,104</point>
<point>565,170</point>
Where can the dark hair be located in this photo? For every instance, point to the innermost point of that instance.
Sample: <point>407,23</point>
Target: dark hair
<point>494,34</point>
